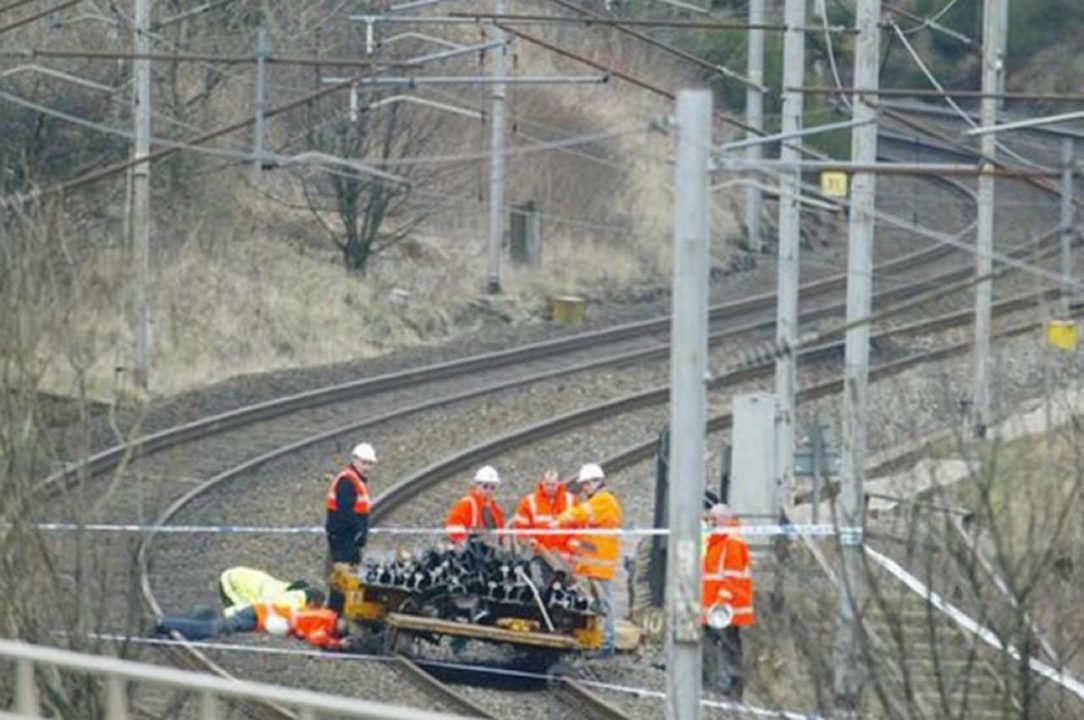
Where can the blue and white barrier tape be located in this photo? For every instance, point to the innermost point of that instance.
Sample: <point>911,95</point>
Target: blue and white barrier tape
<point>847,534</point>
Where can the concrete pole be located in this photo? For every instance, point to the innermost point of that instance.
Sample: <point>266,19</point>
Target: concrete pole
<point>850,509</point>
<point>1066,225</point>
<point>1003,51</point>
<point>786,313</point>
<point>992,64</point>
<point>754,117</point>
<point>496,167</point>
<point>141,185</point>
<point>263,51</point>
<point>688,404</point>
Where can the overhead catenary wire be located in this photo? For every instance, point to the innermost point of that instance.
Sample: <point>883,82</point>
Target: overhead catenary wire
<point>926,92</point>
<point>931,22</point>
<point>37,16</point>
<point>324,159</point>
<point>685,55</point>
<point>948,99</point>
<point>312,61</point>
<point>15,4</point>
<point>602,20</point>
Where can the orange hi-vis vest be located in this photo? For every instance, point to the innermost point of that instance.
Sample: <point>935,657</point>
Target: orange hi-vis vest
<point>596,556</point>
<point>350,474</point>
<point>726,578</point>
<point>469,513</point>
<point>539,510</point>
<point>315,626</point>
<point>265,610</point>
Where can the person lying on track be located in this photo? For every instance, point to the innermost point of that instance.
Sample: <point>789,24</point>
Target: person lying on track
<point>314,624</point>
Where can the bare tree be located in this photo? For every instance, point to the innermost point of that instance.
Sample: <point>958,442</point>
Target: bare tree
<point>66,589</point>
<point>372,210</point>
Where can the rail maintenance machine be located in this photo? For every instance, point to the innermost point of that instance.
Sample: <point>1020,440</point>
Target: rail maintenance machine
<point>473,592</point>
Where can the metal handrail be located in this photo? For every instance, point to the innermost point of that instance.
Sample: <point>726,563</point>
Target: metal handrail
<point>117,673</point>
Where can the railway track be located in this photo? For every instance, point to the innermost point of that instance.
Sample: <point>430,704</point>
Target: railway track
<point>649,332</point>
<point>410,487</point>
<point>579,352</point>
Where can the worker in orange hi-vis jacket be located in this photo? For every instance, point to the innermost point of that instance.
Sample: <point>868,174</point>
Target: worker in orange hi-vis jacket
<point>596,554</point>
<point>476,511</point>
<point>726,602</point>
<point>540,509</point>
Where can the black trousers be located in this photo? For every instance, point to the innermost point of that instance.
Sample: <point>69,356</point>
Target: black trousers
<point>722,661</point>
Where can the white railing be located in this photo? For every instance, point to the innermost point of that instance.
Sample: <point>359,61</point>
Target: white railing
<point>116,674</point>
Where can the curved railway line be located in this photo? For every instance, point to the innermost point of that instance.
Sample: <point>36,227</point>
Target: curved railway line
<point>744,320</point>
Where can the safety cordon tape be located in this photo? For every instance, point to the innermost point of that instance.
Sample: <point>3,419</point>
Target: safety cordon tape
<point>728,705</point>
<point>847,534</point>
<point>972,626</point>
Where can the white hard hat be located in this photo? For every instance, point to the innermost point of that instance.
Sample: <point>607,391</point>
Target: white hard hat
<point>721,511</point>
<point>487,474</point>
<point>365,452</point>
<point>276,624</point>
<point>591,471</point>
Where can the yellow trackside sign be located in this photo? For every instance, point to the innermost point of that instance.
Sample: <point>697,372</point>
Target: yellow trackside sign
<point>1061,334</point>
<point>834,183</point>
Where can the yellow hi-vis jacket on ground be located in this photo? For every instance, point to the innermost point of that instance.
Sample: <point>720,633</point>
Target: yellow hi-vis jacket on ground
<point>242,586</point>
<point>596,556</point>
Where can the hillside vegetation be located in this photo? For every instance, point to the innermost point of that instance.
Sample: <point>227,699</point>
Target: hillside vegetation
<point>321,263</point>
<point>250,277</point>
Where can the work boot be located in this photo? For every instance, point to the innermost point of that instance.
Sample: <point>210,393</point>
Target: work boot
<point>736,688</point>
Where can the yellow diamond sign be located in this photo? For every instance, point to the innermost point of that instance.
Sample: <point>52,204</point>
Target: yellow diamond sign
<point>834,184</point>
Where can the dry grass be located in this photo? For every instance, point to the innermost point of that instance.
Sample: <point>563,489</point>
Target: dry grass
<point>1028,500</point>
<point>246,281</point>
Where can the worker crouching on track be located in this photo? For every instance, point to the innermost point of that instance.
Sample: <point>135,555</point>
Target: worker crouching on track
<point>477,511</point>
<point>540,510</point>
<point>315,625</point>
<point>726,602</point>
<point>347,524</point>
<point>596,555</point>
<point>241,586</point>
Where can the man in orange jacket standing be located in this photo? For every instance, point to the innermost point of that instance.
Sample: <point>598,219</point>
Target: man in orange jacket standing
<point>540,510</point>
<point>477,510</point>
<point>596,554</point>
<point>726,602</point>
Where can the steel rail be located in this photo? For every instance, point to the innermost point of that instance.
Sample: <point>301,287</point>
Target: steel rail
<point>914,259</point>
<point>467,458</point>
<point>387,502</point>
<point>900,113</point>
<point>590,704</point>
<point>409,487</point>
<point>146,445</point>
<point>442,691</point>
